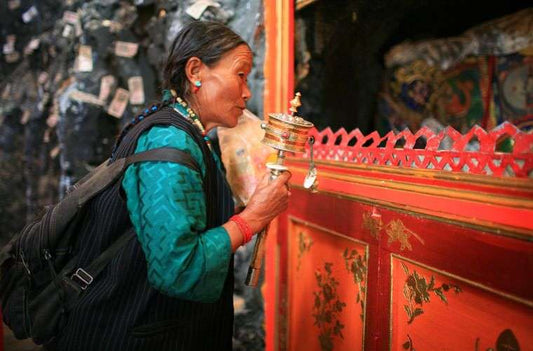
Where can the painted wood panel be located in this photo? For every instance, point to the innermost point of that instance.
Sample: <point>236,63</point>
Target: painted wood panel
<point>326,288</point>
<point>433,310</point>
<point>419,202</point>
<point>407,221</point>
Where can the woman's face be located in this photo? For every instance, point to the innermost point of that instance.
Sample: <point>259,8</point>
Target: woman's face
<point>221,99</point>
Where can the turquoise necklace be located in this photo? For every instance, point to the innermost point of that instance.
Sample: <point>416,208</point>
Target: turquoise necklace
<point>183,109</point>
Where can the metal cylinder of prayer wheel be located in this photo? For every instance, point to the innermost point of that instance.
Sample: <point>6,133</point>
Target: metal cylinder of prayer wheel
<point>285,133</point>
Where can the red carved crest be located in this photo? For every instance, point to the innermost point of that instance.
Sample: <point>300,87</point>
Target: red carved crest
<point>475,152</point>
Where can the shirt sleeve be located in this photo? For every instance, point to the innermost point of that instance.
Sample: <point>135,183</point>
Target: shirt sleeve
<point>166,204</point>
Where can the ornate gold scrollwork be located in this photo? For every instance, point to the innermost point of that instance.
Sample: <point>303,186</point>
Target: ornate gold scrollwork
<point>397,231</point>
<point>372,222</point>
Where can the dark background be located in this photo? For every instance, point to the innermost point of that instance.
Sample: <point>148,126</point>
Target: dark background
<point>348,39</point>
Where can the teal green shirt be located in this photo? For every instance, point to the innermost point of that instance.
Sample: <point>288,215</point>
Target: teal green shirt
<point>166,204</point>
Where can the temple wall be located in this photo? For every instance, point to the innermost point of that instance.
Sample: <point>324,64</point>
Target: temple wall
<point>406,248</point>
<point>419,236</point>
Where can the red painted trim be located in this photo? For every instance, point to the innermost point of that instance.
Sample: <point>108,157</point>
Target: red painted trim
<point>270,286</point>
<point>447,150</point>
<point>432,178</point>
<point>498,214</point>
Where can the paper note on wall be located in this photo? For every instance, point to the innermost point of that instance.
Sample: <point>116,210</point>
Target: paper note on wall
<point>84,60</point>
<point>125,49</point>
<point>119,103</point>
<point>136,88</point>
<point>85,97</point>
<point>198,7</point>
<point>106,84</point>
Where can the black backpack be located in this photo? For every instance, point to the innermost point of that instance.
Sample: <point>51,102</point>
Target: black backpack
<point>39,279</point>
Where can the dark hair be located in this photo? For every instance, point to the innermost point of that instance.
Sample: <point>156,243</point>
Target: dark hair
<point>208,41</point>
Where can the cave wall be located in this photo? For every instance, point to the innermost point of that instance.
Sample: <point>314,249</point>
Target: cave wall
<point>66,69</point>
<point>62,65</point>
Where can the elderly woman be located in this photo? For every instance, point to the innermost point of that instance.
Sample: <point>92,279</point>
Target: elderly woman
<point>171,289</point>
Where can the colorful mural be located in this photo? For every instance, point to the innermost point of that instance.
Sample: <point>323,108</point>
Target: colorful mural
<point>514,90</point>
<point>460,100</point>
<point>419,94</point>
<point>483,77</point>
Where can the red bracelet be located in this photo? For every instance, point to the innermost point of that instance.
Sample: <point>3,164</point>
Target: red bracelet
<point>243,227</point>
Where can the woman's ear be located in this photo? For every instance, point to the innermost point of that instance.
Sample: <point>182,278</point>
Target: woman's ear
<point>193,69</point>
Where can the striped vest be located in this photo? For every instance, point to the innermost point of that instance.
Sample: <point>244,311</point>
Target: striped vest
<point>120,310</point>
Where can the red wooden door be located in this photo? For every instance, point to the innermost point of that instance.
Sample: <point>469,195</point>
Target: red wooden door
<point>404,248</point>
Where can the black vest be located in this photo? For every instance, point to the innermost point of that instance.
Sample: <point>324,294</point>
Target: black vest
<point>121,311</point>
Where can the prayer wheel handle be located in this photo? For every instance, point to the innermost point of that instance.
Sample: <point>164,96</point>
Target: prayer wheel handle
<point>284,132</point>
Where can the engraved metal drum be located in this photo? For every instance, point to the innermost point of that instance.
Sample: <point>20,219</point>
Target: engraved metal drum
<point>286,132</point>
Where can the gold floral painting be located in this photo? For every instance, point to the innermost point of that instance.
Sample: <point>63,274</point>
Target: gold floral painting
<point>433,310</point>
<point>327,289</point>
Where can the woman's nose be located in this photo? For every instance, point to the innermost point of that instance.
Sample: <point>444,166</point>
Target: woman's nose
<point>246,93</point>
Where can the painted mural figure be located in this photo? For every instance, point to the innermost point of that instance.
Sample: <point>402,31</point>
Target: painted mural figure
<point>481,77</point>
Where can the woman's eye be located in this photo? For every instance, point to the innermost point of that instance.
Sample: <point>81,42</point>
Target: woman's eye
<point>243,76</point>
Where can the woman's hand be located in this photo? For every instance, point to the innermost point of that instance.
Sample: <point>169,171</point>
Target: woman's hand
<point>268,201</point>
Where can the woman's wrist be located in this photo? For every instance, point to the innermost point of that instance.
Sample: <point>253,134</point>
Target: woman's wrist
<point>234,234</point>
<point>254,224</point>
<point>244,228</point>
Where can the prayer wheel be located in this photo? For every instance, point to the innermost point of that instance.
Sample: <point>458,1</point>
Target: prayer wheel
<point>285,133</point>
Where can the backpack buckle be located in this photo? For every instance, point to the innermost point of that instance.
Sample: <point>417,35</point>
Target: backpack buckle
<point>83,278</point>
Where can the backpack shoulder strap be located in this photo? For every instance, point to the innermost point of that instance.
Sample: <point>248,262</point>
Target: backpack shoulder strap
<point>84,277</point>
<point>107,174</point>
<point>167,154</point>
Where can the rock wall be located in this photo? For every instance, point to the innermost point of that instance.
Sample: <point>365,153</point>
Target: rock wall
<point>73,73</point>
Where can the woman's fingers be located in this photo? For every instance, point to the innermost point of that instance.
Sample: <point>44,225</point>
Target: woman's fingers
<point>269,199</point>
